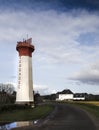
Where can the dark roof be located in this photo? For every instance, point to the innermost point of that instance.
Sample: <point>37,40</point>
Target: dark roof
<point>66,91</point>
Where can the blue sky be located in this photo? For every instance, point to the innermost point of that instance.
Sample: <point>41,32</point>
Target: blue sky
<point>65,34</point>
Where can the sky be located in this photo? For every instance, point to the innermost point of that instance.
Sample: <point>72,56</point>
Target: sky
<point>65,34</point>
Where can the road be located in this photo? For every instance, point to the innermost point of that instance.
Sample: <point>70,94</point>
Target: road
<point>66,117</point>
<point>69,117</point>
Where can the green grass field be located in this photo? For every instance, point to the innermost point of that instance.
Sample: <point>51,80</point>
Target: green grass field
<point>25,114</point>
<point>96,103</point>
<point>90,106</point>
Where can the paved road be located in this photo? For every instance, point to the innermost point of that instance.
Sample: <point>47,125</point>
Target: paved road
<point>69,118</point>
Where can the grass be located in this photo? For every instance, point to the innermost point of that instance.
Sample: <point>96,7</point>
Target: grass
<point>96,103</point>
<point>25,114</point>
<point>90,106</point>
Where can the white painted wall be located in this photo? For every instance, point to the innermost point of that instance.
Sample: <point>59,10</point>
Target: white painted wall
<point>79,98</point>
<point>25,83</point>
<point>65,97</point>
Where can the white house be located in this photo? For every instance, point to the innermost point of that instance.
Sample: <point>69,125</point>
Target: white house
<point>64,95</point>
<point>68,95</point>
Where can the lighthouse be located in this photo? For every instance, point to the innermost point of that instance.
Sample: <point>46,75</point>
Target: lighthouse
<point>25,80</point>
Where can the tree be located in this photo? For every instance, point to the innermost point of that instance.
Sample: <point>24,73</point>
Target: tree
<point>8,88</point>
<point>37,98</point>
<point>6,93</point>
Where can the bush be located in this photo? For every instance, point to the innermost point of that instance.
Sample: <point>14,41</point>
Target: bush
<point>10,107</point>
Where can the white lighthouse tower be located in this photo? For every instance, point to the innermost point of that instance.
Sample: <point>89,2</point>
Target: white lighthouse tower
<point>25,83</point>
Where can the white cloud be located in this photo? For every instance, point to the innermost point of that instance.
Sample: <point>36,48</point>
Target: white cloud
<point>89,75</point>
<point>96,92</point>
<point>43,89</point>
<point>55,36</point>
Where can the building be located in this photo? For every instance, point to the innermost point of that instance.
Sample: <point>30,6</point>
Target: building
<point>25,83</point>
<point>79,96</point>
<point>64,95</point>
<point>69,95</point>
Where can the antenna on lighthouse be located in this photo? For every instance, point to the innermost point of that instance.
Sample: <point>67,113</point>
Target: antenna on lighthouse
<point>29,40</point>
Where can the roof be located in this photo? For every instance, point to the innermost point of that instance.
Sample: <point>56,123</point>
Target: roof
<point>66,91</point>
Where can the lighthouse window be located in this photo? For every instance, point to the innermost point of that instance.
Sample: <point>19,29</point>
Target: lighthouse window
<point>19,59</point>
<point>19,65</point>
<point>19,82</point>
